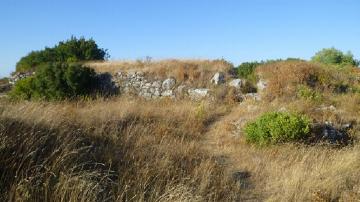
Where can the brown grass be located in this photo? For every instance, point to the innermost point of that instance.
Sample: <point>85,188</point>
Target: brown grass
<point>118,150</point>
<point>284,78</point>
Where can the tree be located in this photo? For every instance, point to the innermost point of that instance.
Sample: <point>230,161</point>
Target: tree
<point>72,50</point>
<point>332,56</point>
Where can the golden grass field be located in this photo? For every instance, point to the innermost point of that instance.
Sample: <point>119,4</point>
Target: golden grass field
<point>130,149</point>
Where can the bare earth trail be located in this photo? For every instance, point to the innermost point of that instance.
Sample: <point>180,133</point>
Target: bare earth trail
<point>221,142</point>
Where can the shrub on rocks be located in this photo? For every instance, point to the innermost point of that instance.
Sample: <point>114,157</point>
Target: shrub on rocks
<point>277,127</point>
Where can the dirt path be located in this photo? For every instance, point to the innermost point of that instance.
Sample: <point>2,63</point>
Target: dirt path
<point>220,141</point>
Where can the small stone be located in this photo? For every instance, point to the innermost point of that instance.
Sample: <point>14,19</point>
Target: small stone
<point>237,83</point>
<point>218,78</point>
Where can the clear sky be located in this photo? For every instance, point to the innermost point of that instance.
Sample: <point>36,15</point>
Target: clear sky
<point>237,30</point>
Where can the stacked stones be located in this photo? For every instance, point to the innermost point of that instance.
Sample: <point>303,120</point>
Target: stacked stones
<point>137,83</point>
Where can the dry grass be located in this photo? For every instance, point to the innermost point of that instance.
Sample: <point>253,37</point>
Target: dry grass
<point>284,78</point>
<point>115,150</point>
<point>196,72</point>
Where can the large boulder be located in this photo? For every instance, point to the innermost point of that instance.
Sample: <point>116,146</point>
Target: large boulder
<point>198,93</point>
<point>236,83</point>
<point>218,78</point>
<point>168,84</point>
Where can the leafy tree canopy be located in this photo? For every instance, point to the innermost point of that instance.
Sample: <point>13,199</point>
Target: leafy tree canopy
<point>332,56</point>
<point>72,50</point>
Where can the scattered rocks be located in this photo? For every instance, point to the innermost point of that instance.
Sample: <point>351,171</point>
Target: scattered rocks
<point>236,83</point>
<point>218,78</point>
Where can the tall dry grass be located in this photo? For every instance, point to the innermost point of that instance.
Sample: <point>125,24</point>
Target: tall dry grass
<point>114,150</point>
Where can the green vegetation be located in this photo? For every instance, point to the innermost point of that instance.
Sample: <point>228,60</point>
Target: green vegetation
<point>277,127</point>
<point>56,81</point>
<point>332,56</point>
<point>247,70</point>
<point>72,50</point>
<point>308,93</point>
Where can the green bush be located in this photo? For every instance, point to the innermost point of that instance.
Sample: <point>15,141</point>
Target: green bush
<point>54,81</point>
<point>72,50</point>
<point>308,93</point>
<point>247,70</point>
<point>277,127</point>
<point>332,56</point>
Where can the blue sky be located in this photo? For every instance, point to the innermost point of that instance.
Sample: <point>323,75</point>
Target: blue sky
<point>237,30</point>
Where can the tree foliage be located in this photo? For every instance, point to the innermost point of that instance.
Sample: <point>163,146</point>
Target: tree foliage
<point>332,56</point>
<point>72,50</point>
<point>54,81</point>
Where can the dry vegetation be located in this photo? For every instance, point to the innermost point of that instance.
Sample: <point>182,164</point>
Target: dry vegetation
<point>129,149</point>
<point>124,150</point>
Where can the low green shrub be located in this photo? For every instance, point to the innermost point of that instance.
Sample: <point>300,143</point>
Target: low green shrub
<point>56,81</point>
<point>277,127</point>
<point>23,90</point>
<point>308,93</point>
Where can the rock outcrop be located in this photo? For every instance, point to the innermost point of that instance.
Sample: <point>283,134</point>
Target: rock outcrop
<point>327,132</point>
